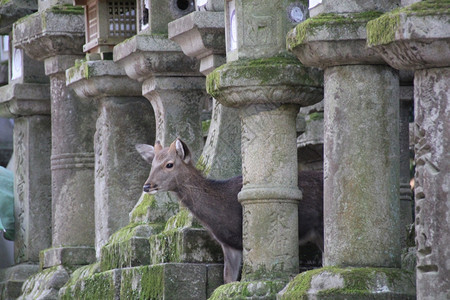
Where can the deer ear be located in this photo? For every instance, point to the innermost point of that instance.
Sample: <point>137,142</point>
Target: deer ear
<point>146,151</point>
<point>183,151</point>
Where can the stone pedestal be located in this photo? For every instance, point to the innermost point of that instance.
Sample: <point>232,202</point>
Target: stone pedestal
<point>419,40</point>
<point>361,147</point>
<point>125,119</point>
<point>201,34</point>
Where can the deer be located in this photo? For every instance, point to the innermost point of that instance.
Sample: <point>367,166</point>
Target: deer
<point>214,203</point>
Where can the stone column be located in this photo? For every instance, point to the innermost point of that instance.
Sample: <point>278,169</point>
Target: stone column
<point>268,86</point>
<point>27,99</point>
<point>201,35</point>
<point>56,35</point>
<point>361,150</point>
<point>125,119</point>
<point>419,40</point>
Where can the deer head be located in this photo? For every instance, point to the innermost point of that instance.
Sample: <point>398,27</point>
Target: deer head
<point>170,166</point>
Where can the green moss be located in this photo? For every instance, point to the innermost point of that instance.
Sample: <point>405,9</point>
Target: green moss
<point>146,282</point>
<point>283,69</point>
<point>248,290</point>
<point>128,247</point>
<point>329,20</point>
<point>96,286</point>
<point>141,210</point>
<point>381,31</point>
<point>205,127</point>
<point>67,9</point>
<point>3,2</point>
<point>357,281</point>
<point>315,116</point>
<point>202,166</point>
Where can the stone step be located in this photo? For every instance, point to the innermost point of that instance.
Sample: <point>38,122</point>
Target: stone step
<point>129,246</point>
<point>184,240</point>
<point>163,281</point>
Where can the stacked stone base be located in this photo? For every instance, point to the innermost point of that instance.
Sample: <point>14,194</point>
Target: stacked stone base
<point>12,279</point>
<point>176,260</point>
<point>351,283</point>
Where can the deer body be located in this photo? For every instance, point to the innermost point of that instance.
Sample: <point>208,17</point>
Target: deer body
<point>215,203</point>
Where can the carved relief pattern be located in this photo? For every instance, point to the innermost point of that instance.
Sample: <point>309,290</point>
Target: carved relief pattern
<point>431,136</point>
<point>19,202</point>
<point>260,27</point>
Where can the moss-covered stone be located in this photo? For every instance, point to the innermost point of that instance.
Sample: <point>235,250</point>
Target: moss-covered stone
<point>382,30</point>
<point>248,290</point>
<point>95,286</point>
<point>67,9</point>
<point>328,20</point>
<point>142,208</point>
<point>184,240</point>
<point>128,246</point>
<point>348,283</point>
<point>146,282</point>
<point>279,70</point>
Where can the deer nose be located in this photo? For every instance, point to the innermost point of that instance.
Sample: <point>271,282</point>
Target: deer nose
<point>147,187</point>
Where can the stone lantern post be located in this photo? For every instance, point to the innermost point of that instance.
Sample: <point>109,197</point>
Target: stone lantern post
<point>26,99</point>
<point>418,38</point>
<point>55,35</point>
<point>268,86</point>
<point>361,153</point>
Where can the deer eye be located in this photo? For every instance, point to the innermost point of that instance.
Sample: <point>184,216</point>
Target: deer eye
<point>169,165</point>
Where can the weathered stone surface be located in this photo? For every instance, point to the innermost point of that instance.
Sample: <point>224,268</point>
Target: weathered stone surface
<point>11,11</point>
<point>414,37</point>
<point>24,99</point>
<point>12,279</point>
<point>248,290</point>
<point>145,55</point>
<point>32,196</point>
<point>332,40</point>
<point>260,27</point>
<point>183,240</point>
<point>41,36</point>
<point>150,209</point>
<point>201,34</point>
<point>129,246</point>
<point>350,6</point>
<point>264,81</point>
<point>120,105</point>
<point>87,283</point>
<point>351,283</point>
<point>67,256</point>
<point>167,281</point>
<point>45,284</point>
<point>361,167</point>
<point>432,140</point>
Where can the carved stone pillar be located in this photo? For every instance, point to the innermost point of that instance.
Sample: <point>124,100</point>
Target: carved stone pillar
<point>125,119</point>
<point>419,40</point>
<point>361,153</point>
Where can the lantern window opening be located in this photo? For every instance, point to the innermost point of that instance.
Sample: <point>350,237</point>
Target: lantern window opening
<point>122,18</point>
<point>144,14</point>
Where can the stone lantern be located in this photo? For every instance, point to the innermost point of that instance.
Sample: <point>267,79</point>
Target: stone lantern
<point>156,14</point>
<point>107,23</point>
